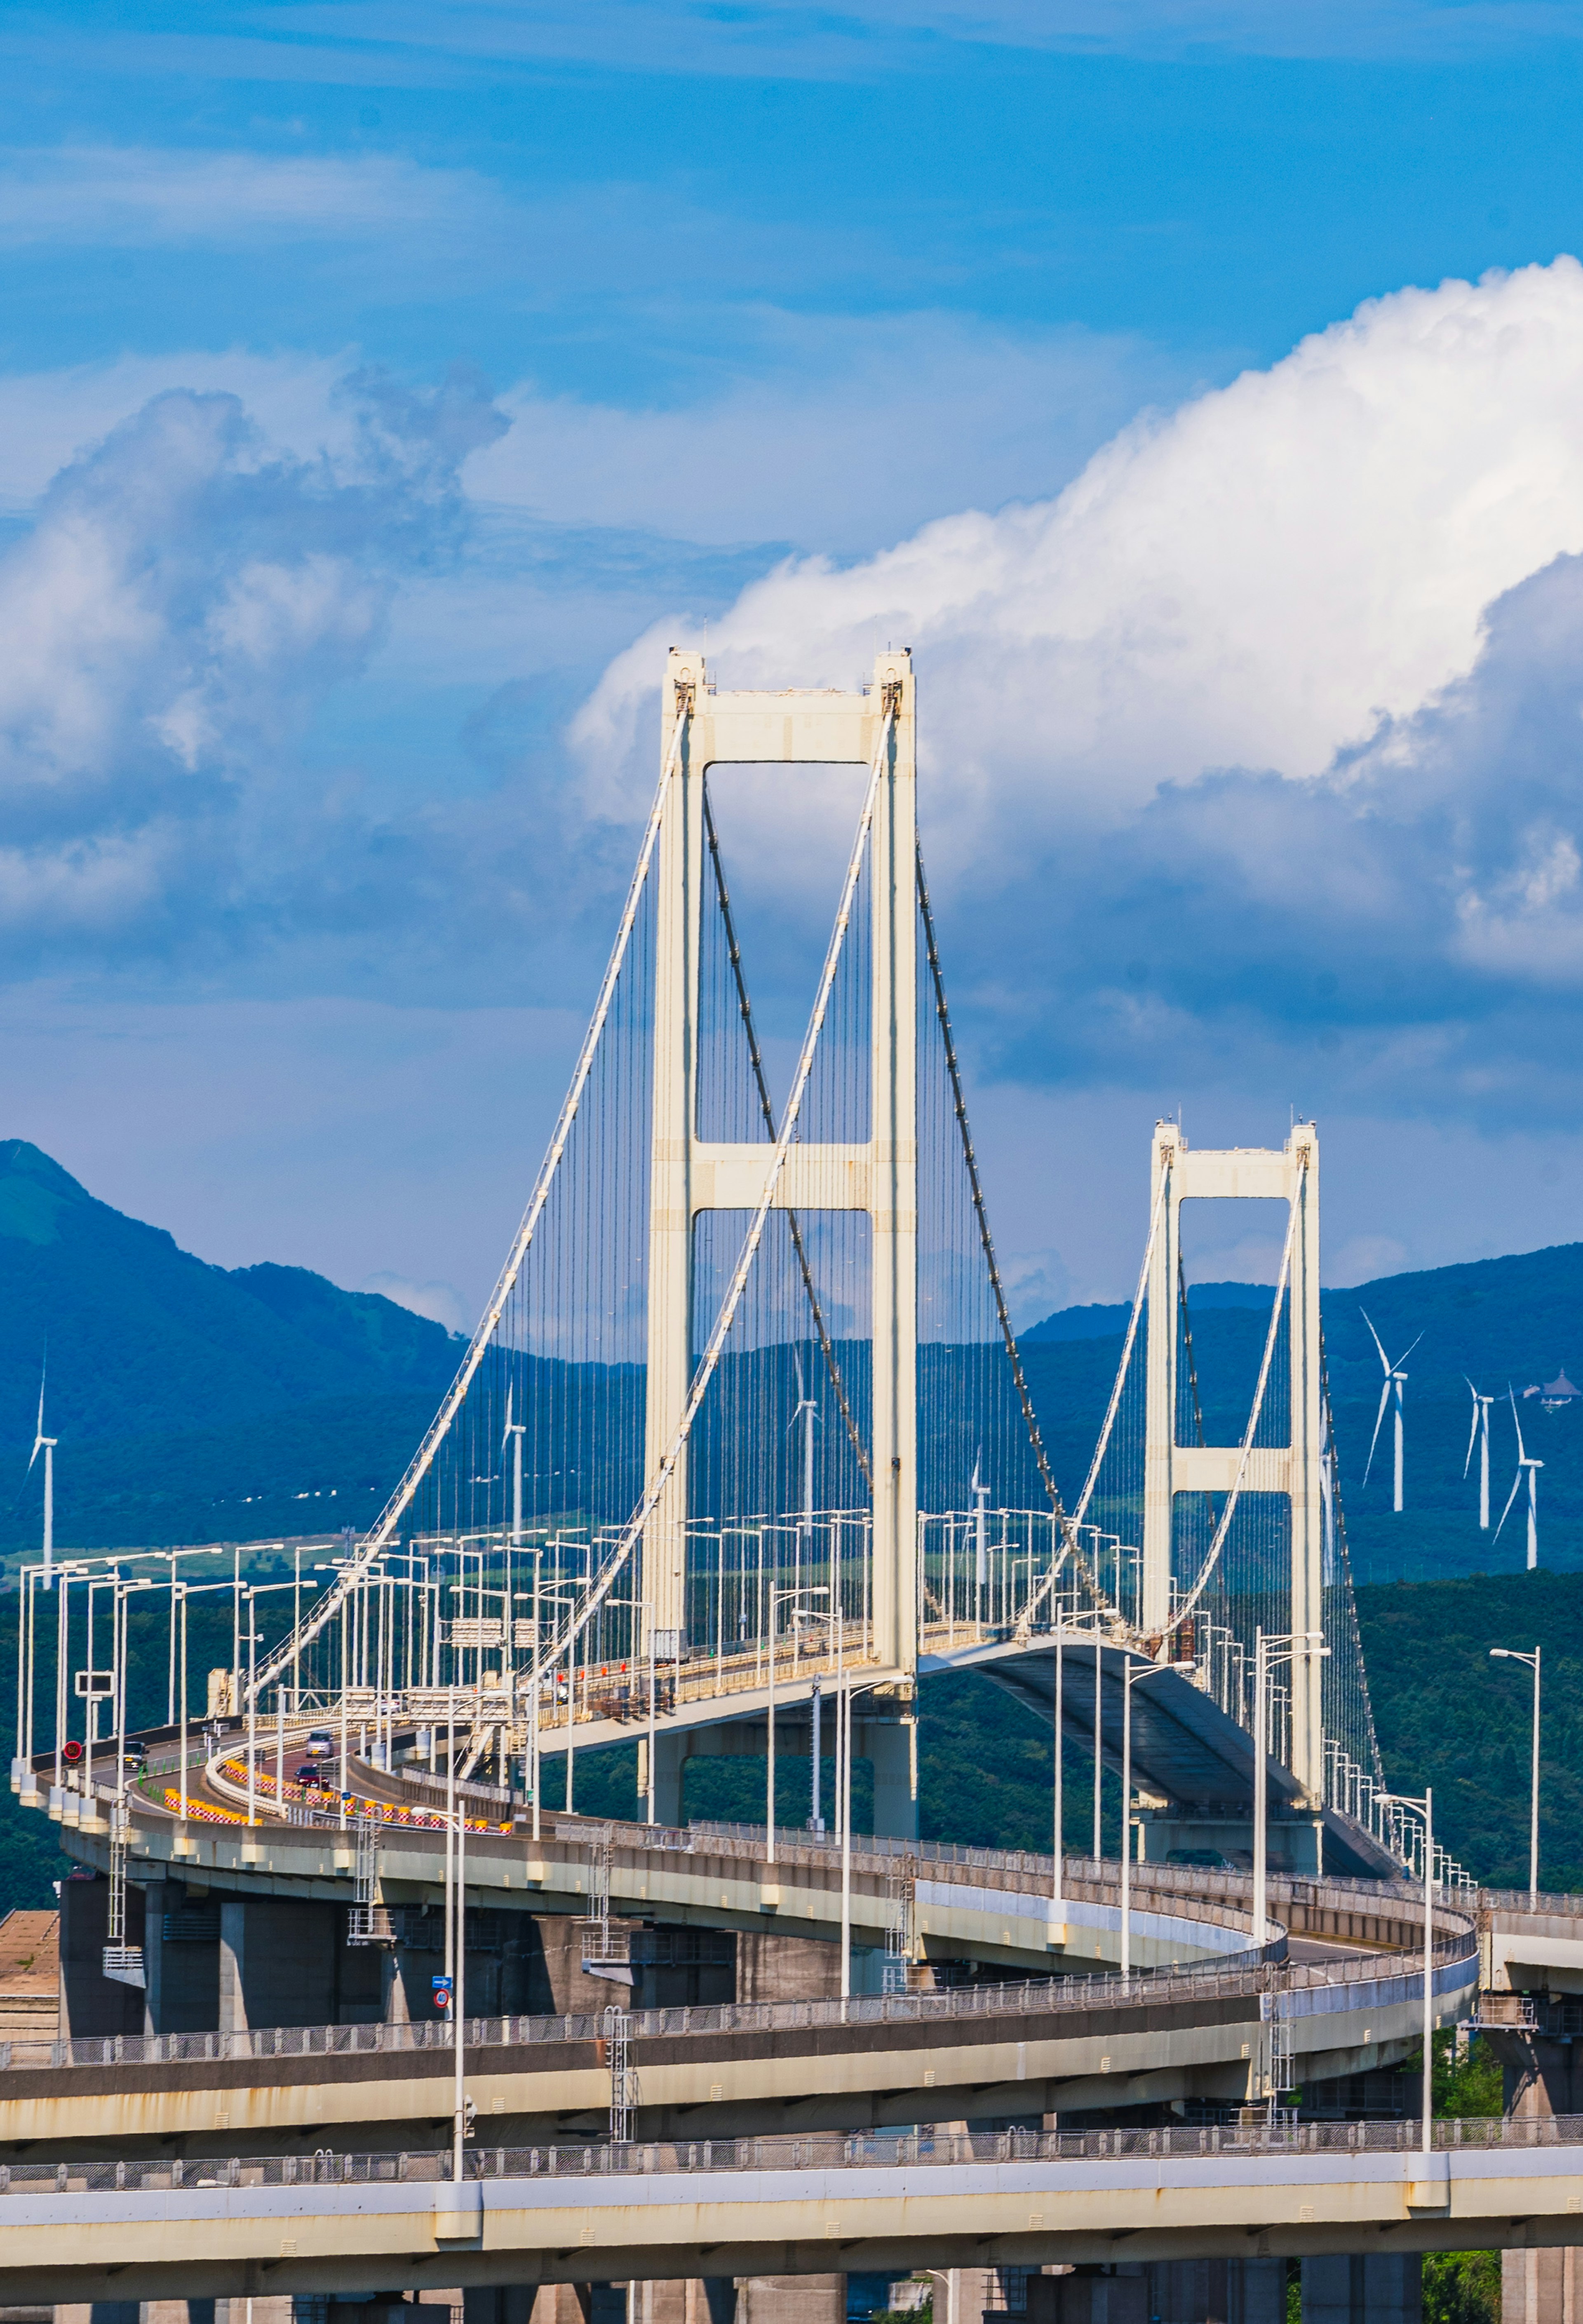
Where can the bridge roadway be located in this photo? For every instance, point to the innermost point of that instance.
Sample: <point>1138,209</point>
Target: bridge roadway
<point>991,1907</point>
<point>1353,2000</point>
<point>739,2068</point>
<point>352,2224</point>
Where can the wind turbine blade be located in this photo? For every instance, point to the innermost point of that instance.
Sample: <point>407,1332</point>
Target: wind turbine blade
<point>1517,1425</point>
<point>506,1439</point>
<point>1379,1421</point>
<point>1375,1336</point>
<point>1511,1497</point>
<point>1402,1360</point>
<point>1473,1432</point>
<point>797,1361</point>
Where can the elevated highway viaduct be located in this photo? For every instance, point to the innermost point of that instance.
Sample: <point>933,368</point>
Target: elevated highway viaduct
<point>1335,1985</point>
<point>1338,1973</point>
<point>1037,2049</point>
<point>783,2207</point>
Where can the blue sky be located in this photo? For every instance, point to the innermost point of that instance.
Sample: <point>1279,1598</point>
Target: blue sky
<point>381,385</point>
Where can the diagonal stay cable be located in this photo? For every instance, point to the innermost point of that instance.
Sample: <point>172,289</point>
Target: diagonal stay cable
<point>378,1538</point>
<point>1198,1410</point>
<point>1376,1763</point>
<point>1092,1478</point>
<point>826,1347</point>
<point>1068,1531</point>
<point>632,1531</point>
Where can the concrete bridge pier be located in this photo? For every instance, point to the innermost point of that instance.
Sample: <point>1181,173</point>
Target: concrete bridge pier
<point>890,1744</point>
<point>692,2300</point>
<point>788,2300</point>
<point>1541,2068</point>
<point>233,1967</point>
<point>1539,2287</point>
<point>1162,2292</point>
<point>1363,2288</point>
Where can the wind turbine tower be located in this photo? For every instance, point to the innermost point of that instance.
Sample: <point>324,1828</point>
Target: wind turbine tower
<point>1395,1380</point>
<point>1525,1461</point>
<point>1480,1430</point>
<point>46,1445</point>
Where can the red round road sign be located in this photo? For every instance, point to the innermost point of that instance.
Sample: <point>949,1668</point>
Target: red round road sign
<point>71,1752</point>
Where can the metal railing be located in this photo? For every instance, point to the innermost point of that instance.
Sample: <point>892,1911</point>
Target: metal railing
<point>1053,1996</point>
<point>813,2151</point>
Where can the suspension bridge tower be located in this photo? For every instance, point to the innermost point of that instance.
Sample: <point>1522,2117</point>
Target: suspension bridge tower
<point>1263,1464</point>
<point>877,1176</point>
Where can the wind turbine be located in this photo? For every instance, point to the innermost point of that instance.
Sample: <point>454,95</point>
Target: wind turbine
<point>1480,1429</point>
<point>46,1445</point>
<point>808,1412</point>
<point>514,1432</point>
<point>513,1437</point>
<point>980,1493</point>
<point>1526,1460</point>
<point>1395,1378</point>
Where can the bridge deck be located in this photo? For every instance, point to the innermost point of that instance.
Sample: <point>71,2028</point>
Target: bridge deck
<point>787,2207</point>
<point>739,2068</point>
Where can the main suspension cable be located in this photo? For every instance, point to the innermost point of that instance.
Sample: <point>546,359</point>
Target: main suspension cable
<point>1058,1509</point>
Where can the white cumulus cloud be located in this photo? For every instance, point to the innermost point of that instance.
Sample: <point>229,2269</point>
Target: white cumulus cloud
<point>1254,581</point>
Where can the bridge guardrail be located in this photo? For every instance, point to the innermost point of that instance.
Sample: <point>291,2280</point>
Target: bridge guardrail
<point>1172,1880</point>
<point>812,2151</point>
<point>1032,1997</point>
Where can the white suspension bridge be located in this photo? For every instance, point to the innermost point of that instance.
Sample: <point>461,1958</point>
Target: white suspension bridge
<point>743,1440</point>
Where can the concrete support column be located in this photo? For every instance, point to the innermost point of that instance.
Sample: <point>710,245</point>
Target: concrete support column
<point>791,2300</point>
<point>1544,2078</point>
<point>1538,2287</point>
<point>154,1966</point>
<point>514,2303</point>
<point>1239,2291</point>
<point>396,2009</point>
<point>233,2015</point>
<point>670,1759</point>
<point>1363,2288</point>
<point>893,1752</point>
<point>682,2300</point>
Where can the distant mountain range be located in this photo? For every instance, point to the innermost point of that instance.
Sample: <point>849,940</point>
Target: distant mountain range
<point>1502,1322</point>
<point>191,1401</point>
<point>198,1403</point>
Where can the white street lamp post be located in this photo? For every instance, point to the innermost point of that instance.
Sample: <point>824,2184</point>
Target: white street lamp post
<point>1056,1882</point>
<point>1269,1649</point>
<point>1133,1674</point>
<point>1511,1655</point>
<point>778,1598</point>
<point>1425,1808</point>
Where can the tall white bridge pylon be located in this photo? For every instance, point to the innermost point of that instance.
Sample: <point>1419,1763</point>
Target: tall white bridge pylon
<point>805,1169</point>
<point>744,1422</point>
